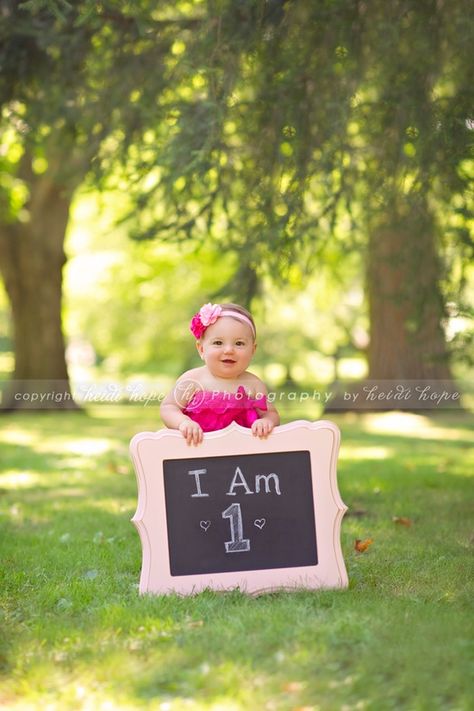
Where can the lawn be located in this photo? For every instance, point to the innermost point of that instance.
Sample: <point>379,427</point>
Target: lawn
<point>77,635</point>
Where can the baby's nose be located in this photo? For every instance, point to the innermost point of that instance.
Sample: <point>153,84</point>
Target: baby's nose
<point>228,347</point>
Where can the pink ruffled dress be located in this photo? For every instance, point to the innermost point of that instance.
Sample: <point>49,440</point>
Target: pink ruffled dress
<point>215,410</point>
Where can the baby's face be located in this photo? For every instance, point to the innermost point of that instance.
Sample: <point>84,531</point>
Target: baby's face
<point>227,347</point>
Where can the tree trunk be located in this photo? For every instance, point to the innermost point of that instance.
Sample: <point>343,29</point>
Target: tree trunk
<point>405,303</point>
<point>408,359</point>
<point>31,262</point>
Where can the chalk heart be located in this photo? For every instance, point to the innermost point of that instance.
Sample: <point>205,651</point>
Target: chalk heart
<point>260,523</point>
<point>205,525</point>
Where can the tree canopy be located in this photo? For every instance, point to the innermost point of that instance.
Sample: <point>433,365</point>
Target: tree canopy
<point>285,117</point>
<point>299,127</point>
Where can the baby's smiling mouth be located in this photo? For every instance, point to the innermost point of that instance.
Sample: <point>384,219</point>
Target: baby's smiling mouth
<point>228,360</point>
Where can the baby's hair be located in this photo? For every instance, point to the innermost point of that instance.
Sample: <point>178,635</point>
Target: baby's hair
<point>240,310</point>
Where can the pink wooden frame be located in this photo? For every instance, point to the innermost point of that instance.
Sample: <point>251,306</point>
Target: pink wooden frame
<point>321,439</point>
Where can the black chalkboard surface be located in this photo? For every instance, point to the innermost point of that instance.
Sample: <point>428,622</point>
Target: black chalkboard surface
<point>238,513</point>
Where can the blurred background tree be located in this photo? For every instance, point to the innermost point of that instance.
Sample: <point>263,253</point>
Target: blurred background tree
<point>340,124</point>
<point>284,136</point>
<point>70,109</point>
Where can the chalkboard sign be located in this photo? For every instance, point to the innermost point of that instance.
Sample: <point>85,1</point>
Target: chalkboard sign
<point>237,511</point>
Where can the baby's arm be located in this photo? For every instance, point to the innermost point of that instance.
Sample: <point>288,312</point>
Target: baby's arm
<point>268,419</point>
<point>171,411</point>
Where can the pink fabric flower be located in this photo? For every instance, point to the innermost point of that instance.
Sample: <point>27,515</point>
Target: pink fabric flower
<point>207,315</point>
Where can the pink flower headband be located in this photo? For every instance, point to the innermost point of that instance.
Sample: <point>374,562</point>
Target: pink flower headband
<point>209,313</point>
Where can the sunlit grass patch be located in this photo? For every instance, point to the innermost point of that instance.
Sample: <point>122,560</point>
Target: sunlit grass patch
<point>352,452</point>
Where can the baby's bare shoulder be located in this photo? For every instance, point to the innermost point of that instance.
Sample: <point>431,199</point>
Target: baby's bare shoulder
<point>254,385</point>
<point>193,374</point>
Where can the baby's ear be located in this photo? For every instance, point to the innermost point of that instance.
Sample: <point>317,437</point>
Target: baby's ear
<point>199,348</point>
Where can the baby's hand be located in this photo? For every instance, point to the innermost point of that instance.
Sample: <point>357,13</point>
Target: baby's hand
<point>191,431</point>
<point>262,428</point>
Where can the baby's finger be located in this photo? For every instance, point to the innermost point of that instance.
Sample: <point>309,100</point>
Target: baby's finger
<point>266,429</point>
<point>197,435</point>
<point>188,433</point>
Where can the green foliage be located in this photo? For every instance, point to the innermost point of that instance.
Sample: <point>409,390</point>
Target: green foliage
<point>317,103</point>
<point>133,300</point>
<point>68,83</point>
<point>76,634</point>
<point>143,304</point>
<point>312,125</point>
<point>278,132</point>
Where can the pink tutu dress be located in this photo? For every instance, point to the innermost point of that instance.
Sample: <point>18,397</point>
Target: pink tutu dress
<point>216,410</point>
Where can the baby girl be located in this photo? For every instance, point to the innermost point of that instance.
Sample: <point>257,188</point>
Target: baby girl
<point>222,390</point>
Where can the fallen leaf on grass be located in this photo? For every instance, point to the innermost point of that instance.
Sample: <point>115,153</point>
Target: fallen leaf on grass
<point>361,546</point>
<point>402,520</point>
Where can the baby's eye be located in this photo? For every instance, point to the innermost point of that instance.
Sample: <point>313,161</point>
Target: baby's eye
<point>217,343</point>
<point>240,343</point>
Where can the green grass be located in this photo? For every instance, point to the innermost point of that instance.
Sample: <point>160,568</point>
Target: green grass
<point>77,635</point>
